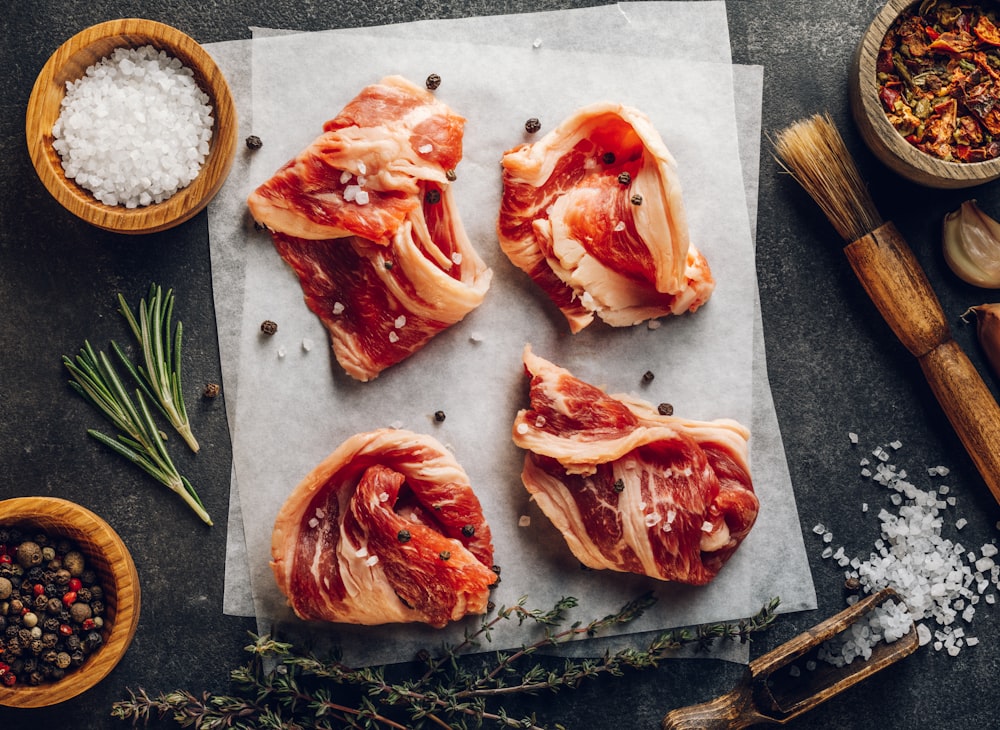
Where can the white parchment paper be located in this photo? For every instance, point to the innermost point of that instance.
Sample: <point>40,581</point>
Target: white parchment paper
<point>306,401</point>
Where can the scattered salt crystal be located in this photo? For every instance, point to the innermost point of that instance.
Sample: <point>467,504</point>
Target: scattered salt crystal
<point>425,149</point>
<point>619,227</point>
<point>827,552</point>
<point>338,307</point>
<point>707,526</point>
<point>653,518</point>
<point>923,634</point>
<point>351,193</point>
<point>456,258</point>
<point>819,528</point>
<point>393,337</point>
<point>853,437</point>
<point>989,550</point>
<point>475,338</point>
<point>524,521</point>
<point>345,177</point>
<point>372,560</point>
<point>896,444</point>
<point>362,168</point>
<point>400,321</point>
<point>864,506</point>
<point>522,428</point>
<point>307,344</point>
<point>383,497</point>
<point>313,522</point>
<point>362,551</point>
<point>320,512</point>
<point>794,670</point>
<point>653,324</point>
<point>281,352</point>
<point>971,641</point>
<point>362,197</point>
<point>537,43</point>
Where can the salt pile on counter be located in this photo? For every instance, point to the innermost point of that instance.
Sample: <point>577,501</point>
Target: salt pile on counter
<point>135,128</point>
<point>940,581</point>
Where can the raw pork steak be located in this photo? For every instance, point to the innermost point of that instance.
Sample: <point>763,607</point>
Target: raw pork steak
<point>366,218</point>
<point>386,529</point>
<point>630,489</point>
<point>593,213</point>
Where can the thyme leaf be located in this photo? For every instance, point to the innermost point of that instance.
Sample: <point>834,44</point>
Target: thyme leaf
<point>139,440</point>
<point>160,379</point>
<point>281,687</point>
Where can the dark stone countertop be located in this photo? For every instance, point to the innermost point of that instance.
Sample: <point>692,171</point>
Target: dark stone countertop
<point>834,367</point>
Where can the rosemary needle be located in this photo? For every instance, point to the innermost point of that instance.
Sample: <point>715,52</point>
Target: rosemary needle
<point>161,376</point>
<point>139,439</point>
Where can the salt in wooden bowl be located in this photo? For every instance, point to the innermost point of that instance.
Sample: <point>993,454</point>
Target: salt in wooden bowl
<point>879,134</point>
<point>106,554</point>
<point>69,63</point>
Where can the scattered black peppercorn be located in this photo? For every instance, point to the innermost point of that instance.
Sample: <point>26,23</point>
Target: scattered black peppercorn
<point>445,555</point>
<point>468,530</point>
<point>439,416</point>
<point>665,409</point>
<point>254,143</point>
<point>268,327</point>
<point>211,390</point>
<point>451,175</point>
<point>637,199</point>
<point>433,196</point>
<point>388,266</point>
<point>619,485</point>
<point>532,125</point>
<point>853,585</point>
<point>624,177</point>
<point>608,158</point>
<point>433,81</point>
<point>403,536</point>
<point>647,377</point>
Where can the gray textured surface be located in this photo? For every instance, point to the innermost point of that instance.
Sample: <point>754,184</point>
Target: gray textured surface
<point>834,367</point>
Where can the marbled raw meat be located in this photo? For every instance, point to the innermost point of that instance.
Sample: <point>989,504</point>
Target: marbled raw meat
<point>366,218</point>
<point>569,221</point>
<point>629,489</point>
<point>338,548</point>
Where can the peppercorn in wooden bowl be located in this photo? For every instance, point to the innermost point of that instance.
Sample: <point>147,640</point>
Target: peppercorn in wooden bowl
<point>99,550</point>
<point>954,155</point>
<point>141,145</point>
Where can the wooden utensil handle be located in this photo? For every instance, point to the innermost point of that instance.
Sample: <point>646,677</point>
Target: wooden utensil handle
<point>731,711</point>
<point>896,283</point>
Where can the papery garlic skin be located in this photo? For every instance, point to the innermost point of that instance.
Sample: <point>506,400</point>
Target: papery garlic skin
<point>971,244</point>
<point>988,332</point>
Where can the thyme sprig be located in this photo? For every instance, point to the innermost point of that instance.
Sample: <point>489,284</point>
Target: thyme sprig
<point>139,440</point>
<point>281,688</point>
<point>160,379</point>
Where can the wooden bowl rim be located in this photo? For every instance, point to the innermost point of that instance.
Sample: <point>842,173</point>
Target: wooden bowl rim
<point>43,110</point>
<point>887,143</point>
<point>30,510</point>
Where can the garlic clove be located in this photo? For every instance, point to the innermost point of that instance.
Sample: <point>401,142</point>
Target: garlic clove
<point>988,332</point>
<point>971,244</point>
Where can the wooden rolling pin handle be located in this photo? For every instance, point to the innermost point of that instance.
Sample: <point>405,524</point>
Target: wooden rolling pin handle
<point>896,283</point>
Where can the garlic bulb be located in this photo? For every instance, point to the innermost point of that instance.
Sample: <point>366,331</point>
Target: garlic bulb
<point>988,332</point>
<point>971,242</point>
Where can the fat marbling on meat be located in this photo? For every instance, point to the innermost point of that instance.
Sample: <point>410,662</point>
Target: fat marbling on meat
<point>366,218</point>
<point>593,212</point>
<point>386,529</point>
<point>630,489</point>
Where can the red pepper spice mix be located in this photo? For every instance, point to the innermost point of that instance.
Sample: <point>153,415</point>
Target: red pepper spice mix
<point>938,74</point>
<point>51,607</point>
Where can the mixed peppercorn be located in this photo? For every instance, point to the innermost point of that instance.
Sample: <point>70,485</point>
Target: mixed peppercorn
<point>938,75</point>
<point>51,607</point>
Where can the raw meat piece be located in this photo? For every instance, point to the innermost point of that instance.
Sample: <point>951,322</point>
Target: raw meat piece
<point>386,529</point>
<point>579,231</point>
<point>366,218</point>
<point>629,489</point>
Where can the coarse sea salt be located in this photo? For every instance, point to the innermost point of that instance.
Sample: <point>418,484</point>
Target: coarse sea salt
<point>938,580</point>
<point>135,129</point>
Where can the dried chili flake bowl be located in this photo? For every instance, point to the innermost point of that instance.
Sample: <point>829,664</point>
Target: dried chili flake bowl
<point>104,553</point>
<point>932,138</point>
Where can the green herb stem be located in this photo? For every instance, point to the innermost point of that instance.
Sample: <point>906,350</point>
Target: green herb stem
<point>139,440</point>
<point>161,376</point>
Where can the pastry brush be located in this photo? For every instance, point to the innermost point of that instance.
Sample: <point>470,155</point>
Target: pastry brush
<point>814,153</point>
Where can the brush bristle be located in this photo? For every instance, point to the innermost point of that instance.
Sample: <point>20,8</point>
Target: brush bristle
<point>814,153</point>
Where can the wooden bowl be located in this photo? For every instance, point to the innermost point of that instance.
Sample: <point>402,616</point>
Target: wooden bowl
<point>107,555</point>
<point>879,134</point>
<point>69,63</point>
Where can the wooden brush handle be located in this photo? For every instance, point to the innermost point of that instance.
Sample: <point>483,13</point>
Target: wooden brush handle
<point>896,283</point>
<point>732,711</point>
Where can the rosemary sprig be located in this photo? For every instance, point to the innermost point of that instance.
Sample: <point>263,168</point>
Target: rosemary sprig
<point>161,376</point>
<point>139,440</point>
<point>298,690</point>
